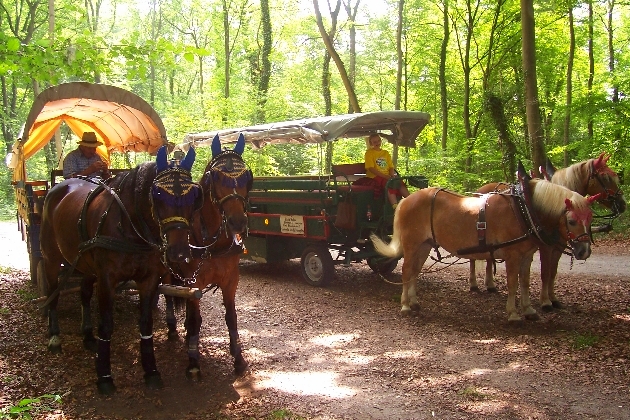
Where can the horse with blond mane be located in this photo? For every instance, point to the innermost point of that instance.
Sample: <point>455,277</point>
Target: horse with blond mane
<point>515,225</point>
<point>590,177</point>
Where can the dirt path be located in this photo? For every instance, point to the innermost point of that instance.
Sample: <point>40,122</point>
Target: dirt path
<point>345,352</point>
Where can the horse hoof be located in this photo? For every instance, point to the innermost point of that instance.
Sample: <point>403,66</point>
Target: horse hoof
<point>54,349</point>
<point>475,289</point>
<point>106,386</point>
<point>547,308</point>
<point>193,374</point>
<point>153,380</point>
<point>173,335</point>
<point>405,311</point>
<point>515,319</point>
<point>532,317</point>
<point>240,368</point>
<point>492,290</point>
<point>556,304</point>
<point>90,344</point>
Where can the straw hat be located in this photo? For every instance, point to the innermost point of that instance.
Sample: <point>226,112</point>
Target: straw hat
<point>89,140</point>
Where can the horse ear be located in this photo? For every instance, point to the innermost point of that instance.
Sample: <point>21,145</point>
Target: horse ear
<point>569,204</point>
<point>240,145</point>
<point>160,159</point>
<point>188,161</point>
<point>521,172</point>
<point>216,146</point>
<point>550,170</point>
<point>592,198</point>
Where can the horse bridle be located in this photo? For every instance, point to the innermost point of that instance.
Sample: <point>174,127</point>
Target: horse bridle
<point>180,191</point>
<point>607,193</point>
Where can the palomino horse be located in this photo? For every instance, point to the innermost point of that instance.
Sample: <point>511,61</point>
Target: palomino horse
<point>113,233</point>
<point>217,247</point>
<point>433,217</point>
<point>590,177</point>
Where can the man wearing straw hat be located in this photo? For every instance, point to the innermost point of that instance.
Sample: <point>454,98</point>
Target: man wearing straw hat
<point>84,160</point>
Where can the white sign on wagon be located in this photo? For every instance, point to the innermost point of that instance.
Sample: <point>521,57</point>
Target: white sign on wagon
<point>292,224</point>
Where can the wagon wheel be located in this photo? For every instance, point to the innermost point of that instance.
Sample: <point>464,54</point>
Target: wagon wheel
<point>382,265</point>
<point>42,285</point>
<point>318,268</point>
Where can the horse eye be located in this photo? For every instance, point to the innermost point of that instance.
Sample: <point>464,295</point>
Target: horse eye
<point>572,222</point>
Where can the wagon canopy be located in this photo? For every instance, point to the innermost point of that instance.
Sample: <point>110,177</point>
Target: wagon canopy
<point>123,121</point>
<point>398,127</point>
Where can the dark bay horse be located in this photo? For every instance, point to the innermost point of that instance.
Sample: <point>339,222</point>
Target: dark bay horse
<point>113,232</point>
<point>433,217</point>
<point>215,237</point>
<point>590,177</point>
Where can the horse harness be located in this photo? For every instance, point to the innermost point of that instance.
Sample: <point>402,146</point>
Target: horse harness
<point>520,196</point>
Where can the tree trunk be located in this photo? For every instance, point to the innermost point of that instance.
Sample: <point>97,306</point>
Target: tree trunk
<point>352,15</point>
<point>399,67</point>
<point>442,76</point>
<point>265,71</point>
<point>567,114</point>
<point>334,14</point>
<point>335,56</point>
<point>531,89</point>
<point>591,69</point>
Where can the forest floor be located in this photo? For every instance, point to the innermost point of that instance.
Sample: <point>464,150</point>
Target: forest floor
<point>341,352</point>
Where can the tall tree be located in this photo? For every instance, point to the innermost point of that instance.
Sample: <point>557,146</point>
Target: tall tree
<point>442,73</point>
<point>265,70</point>
<point>335,56</point>
<point>567,113</point>
<point>532,106</point>
<point>400,62</point>
<point>352,50</point>
<point>326,92</point>
<point>591,68</point>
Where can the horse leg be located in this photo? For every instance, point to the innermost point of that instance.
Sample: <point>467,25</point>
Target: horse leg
<point>152,378</point>
<point>51,267</point>
<point>545,275</point>
<point>105,382</point>
<point>236,350</point>
<point>490,286</point>
<point>512,269</point>
<point>472,278</point>
<point>193,327</point>
<point>553,272</point>
<point>171,320</point>
<point>524,275</point>
<point>412,266</point>
<point>87,290</point>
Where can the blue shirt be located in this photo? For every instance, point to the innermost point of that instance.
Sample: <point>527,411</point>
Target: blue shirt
<point>75,162</point>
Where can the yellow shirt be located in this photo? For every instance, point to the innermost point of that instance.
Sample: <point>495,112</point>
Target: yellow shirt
<point>379,160</point>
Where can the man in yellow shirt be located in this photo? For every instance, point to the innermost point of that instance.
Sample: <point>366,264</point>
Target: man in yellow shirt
<point>379,167</point>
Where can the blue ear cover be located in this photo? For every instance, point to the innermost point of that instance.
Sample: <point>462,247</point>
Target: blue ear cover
<point>216,146</point>
<point>240,145</point>
<point>188,161</point>
<point>160,160</point>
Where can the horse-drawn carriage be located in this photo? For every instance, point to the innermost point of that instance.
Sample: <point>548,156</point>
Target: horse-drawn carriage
<point>122,121</point>
<point>324,219</point>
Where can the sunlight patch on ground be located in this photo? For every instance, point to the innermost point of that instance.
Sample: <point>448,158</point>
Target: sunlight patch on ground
<point>488,341</point>
<point>305,383</point>
<point>354,358</point>
<point>477,372</point>
<point>517,348</point>
<point>334,340</point>
<point>260,333</point>
<point>215,340</point>
<point>404,354</point>
<point>623,317</point>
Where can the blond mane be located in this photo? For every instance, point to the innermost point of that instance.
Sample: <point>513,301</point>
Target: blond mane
<point>549,199</point>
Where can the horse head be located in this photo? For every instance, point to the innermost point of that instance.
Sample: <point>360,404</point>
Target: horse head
<point>576,229</point>
<point>605,182</point>
<point>228,180</point>
<point>174,199</point>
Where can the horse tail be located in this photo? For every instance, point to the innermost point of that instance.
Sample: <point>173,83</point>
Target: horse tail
<point>393,249</point>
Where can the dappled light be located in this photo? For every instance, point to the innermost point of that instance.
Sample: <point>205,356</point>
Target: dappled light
<point>334,340</point>
<point>324,383</point>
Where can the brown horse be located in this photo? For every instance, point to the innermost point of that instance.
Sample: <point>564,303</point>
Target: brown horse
<point>215,234</point>
<point>433,217</point>
<point>590,177</point>
<point>114,232</point>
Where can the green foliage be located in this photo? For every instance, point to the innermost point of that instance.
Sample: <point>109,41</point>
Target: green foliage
<point>28,407</point>
<point>584,341</point>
